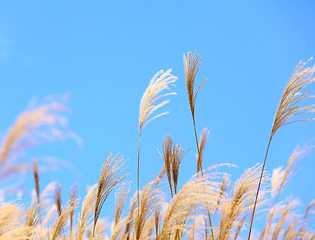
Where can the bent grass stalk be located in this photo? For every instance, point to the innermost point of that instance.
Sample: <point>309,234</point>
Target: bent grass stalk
<point>161,81</point>
<point>192,64</point>
<point>288,108</point>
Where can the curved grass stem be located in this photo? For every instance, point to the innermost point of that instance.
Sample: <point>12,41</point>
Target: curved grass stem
<point>200,167</point>
<point>138,175</point>
<point>258,188</point>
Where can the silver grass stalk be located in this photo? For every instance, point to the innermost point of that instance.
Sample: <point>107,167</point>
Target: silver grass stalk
<point>161,81</point>
<point>288,109</point>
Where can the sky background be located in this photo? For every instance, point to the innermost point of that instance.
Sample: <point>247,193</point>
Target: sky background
<point>103,54</point>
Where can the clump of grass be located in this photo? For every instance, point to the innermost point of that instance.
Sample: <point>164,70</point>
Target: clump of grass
<point>208,206</point>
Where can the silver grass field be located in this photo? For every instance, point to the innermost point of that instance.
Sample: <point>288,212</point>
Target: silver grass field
<point>208,206</point>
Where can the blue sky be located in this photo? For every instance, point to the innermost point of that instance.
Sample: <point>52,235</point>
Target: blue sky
<point>103,54</point>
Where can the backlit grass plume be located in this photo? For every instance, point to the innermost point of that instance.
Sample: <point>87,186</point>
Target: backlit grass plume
<point>191,66</point>
<point>108,180</point>
<point>121,197</point>
<point>11,217</point>
<point>62,220</point>
<point>190,202</point>
<point>33,216</point>
<point>86,211</point>
<point>173,155</point>
<point>149,198</point>
<point>289,110</point>
<point>279,179</point>
<point>119,223</point>
<point>161,81</point>
<point>38,124</point>
<point>288,223</point>
<point>237,205</point>
<point>289,104</point>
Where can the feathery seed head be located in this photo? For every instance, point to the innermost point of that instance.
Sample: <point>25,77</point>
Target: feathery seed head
<point>62,220</point>
<point>277,176</point>
<point>172,155</point>
<point>202,144</point>
<point>121,197</point>
<point>289,104</point>
<point>167,156</point>
<point>36,178</point>
<point>150,197</point>
<point>86,211</point>
<point>58,199</point>
<point>192,64</point>
<point>241,201</point>
<point>161,81</point>
<point>178,155</point>
<point>108,180</point>
<point>72,204</point>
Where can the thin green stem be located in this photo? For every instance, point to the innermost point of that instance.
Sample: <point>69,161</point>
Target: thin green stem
<point>258,188</point>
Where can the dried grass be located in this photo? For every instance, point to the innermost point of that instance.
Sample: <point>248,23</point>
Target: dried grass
<point>108,180</point>
<point>153,214</point>
<point>160,82</point>
<point>25,133</point>
<point>288,108</point>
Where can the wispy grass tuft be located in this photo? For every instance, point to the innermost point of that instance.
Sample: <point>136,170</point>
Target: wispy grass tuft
<point>192,64</point>
<point>173,155</point>
<point>161,81</point>
<point>108,180</point>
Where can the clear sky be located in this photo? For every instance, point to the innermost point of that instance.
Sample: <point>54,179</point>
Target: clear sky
<point>104,53</point>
